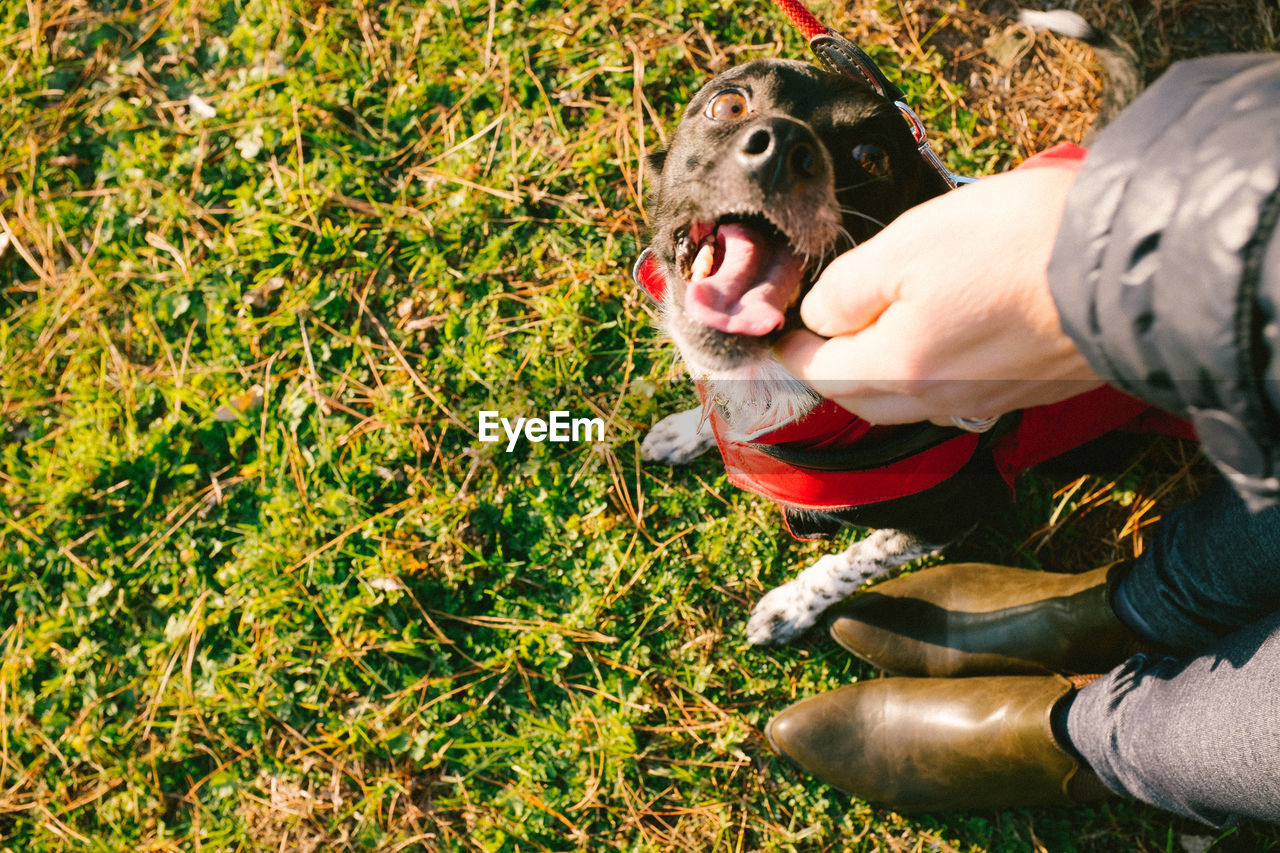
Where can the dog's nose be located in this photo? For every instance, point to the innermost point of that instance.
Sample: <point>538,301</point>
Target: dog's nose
<point>777,153</point>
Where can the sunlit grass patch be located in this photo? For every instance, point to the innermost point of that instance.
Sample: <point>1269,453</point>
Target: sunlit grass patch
<point>262,265</point>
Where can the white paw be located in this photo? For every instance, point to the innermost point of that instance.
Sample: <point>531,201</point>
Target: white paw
<point>678,438</point>
<point>784,614</point>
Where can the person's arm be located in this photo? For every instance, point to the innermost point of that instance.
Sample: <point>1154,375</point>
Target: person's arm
<point>1167,267</point>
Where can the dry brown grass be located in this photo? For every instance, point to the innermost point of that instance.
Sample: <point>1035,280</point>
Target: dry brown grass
<point>1038,89</point>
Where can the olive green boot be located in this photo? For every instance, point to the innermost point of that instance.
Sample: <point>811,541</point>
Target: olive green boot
<point>936,744</point>
<point>979,619</point>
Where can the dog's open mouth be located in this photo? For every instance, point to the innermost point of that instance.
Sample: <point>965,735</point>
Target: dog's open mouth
<point>742,274</point>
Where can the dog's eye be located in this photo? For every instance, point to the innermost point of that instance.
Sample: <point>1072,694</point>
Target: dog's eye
<point>727,105</point>
<point>873,159</point>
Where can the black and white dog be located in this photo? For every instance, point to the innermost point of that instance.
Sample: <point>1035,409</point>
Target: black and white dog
<point>776,167</point>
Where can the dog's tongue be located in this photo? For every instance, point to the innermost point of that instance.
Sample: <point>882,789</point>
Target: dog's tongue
<point>745,286</point>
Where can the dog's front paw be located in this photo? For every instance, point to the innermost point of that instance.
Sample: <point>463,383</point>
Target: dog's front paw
<point>678,438</point>
<point>783,614</point>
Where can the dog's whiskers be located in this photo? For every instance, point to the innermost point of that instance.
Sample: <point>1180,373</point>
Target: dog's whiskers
<point>848,238</point>
<point>858,185</point>
<point>815,263</point>
<point>849,211</point>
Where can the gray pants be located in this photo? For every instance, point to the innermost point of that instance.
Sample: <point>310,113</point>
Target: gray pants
<point>1196,733</point>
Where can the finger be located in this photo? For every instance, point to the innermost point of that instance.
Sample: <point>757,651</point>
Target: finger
<point>849,364</point>
<point>796,351</point>
<point>830,365</point>
<point>814,360</point>
<point>852,291</point>
<point>826,366</point>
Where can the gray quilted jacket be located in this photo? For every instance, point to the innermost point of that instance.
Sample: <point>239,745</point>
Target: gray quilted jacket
<point>1166,271</point>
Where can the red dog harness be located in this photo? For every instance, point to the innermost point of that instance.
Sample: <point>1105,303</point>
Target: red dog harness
<point>832,460</point>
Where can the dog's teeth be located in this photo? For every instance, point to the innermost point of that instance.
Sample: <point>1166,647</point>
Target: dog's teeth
<point>704,263</point>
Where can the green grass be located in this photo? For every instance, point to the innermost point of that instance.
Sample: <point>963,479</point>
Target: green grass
<point>263,588</point>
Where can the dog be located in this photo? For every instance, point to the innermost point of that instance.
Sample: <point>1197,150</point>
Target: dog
<point>776,167</point>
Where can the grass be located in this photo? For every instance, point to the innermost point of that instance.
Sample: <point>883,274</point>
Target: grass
<point>263,264</point>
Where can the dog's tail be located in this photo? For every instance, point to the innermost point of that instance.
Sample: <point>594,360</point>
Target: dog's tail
<point>1119,60</point>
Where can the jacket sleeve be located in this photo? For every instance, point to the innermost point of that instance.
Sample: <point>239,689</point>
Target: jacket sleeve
<point>1166,270</point>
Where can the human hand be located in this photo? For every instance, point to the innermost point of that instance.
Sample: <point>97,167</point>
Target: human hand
<point>947,311</point>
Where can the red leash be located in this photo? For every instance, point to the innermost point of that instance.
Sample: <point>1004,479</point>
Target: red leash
<point>801,18</point>
<point>837,53</point>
